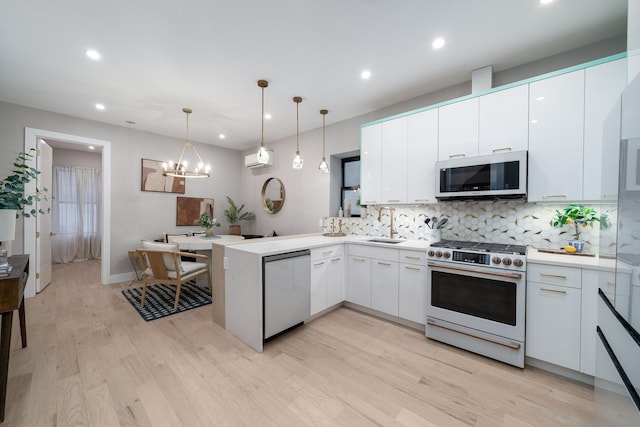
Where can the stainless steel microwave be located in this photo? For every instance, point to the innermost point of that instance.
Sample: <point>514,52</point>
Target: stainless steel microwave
<point>496,176</point>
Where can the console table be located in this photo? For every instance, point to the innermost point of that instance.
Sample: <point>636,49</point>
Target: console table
<point>11,298</point>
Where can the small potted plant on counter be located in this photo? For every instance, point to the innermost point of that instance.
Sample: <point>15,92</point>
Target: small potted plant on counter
<point>234,215</point>
<point>579,217</point>
<point>208,223</point>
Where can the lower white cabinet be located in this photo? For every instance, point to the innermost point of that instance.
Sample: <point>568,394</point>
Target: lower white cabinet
<point>384,286</point>
<point>359,280</point>
<point>412,292</point>
<point>327,277</point>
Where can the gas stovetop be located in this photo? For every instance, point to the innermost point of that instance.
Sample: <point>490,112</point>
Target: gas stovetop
<point>496,255</point>
<point>498,248</point>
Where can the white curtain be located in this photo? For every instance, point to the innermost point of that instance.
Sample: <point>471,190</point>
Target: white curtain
<point>76,214</point>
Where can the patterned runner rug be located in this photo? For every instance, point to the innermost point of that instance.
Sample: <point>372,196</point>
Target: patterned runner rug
<point>160,298</point>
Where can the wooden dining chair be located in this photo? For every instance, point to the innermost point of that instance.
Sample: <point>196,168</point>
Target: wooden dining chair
<point>166,267</point>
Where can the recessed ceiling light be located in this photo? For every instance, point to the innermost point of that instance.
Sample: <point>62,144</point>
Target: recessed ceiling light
<point>222,136</point>
<point>267,116</point>
<point>92,54</point>
<point>91,147</point>
<point>99,107</point>
<point>438,43</point>
<point>365,74</point>
<point>540,98</point>
<point>545,1</point>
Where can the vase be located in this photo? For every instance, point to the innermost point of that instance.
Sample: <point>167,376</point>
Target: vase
<point>208,232</point>
<point>234,230</point>
<point>578,244</point>
<point>7,225</point>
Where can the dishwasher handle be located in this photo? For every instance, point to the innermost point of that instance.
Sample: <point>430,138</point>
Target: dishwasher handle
<point>286,255</point>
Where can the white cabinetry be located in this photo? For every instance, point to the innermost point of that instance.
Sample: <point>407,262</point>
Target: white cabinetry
<point>458,130</point>
<point>371,164</point>
<point>422,153</point>
<point>504,121</point>
<point>394,161</point>
<point>384,282</point>
<point>359,275</point>
<point>412,292</point>
<point>603,85</point>
<point>556,134</point>
<point>327,277</point>
<point>553,315</point>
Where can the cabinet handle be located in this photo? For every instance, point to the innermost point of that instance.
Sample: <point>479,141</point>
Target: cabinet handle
<point>411,268</point>
<point>393,201</point>
<point>327,252</point>
<point>502,149</point>
<point>370,202</point>
<point>421,200</point>
<point>611,283</point>
<point>358,259</point>
<point>453,156</point>
<point>607,195</point>
<point>318,263</point>
<point>554,276</point>
<point>383,263</point>
<point>412,257</point>
<point>553,291</point>
<point>555,196</point>
<point>336,259</point>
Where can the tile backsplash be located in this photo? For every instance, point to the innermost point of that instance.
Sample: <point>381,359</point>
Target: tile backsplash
<point>485,221</point>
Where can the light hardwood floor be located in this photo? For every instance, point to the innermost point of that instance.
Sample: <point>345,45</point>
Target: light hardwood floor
<point>92,361</point>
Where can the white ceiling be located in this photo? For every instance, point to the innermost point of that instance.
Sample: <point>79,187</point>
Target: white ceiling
<point>159,56</point>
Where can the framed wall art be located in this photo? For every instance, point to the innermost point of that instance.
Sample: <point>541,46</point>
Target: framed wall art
<point>189,209</point>
<point>152,178</point>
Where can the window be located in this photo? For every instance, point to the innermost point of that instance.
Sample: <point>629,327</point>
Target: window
<point>351,184</point>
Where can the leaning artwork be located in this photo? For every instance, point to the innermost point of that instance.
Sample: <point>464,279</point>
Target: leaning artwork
<point>154,180</point>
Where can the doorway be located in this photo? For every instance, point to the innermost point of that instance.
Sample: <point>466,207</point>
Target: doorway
<point>32,137</point>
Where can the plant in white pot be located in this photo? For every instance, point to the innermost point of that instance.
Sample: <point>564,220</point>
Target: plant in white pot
<point>234,215</point>
<point>13,200</point>
<point>208,223</point>
<point>580,217</point>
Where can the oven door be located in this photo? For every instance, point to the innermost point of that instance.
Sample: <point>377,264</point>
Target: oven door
<point>481,298</point>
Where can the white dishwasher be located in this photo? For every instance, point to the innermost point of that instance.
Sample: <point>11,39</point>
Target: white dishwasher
<point>286,291</point>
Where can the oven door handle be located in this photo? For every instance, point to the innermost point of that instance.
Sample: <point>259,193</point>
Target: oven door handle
<point>504,344</point>
<point>476,271</point>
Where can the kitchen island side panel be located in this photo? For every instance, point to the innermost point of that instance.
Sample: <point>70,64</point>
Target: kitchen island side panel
<point>243,297</point>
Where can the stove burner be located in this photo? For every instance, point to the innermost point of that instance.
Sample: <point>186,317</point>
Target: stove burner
<point>481,247</point>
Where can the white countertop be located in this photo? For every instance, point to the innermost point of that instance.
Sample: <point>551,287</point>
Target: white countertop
<point>293,243</point>
<point>195,243</point>
<point>570,260</point>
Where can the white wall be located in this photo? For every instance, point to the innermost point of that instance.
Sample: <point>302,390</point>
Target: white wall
<point>82,159</point>
<point>134,214</point>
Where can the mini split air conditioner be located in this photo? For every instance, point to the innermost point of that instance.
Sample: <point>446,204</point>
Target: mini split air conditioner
<point>251,161</point>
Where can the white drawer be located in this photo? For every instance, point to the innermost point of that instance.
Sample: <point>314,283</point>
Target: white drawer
<point>386,254</point>
<point>555,275</point>
<point>412,257</point>
<point>360,250</point>
<point>326,252</point>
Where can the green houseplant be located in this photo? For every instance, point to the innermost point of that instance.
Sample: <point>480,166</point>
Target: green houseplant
<point>13,200</point>
<point>234,215</point>
<point>579,217</point>
<point>208,223</point>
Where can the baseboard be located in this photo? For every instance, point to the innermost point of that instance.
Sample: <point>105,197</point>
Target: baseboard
<point>559,370</point>
<point>385,316</point>
<point>122,277</point>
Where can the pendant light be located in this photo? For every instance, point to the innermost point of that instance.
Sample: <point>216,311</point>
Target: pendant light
<point>297,160</point>
<point>324,167</point>
<point>263,154</point>
<point>179,170</point>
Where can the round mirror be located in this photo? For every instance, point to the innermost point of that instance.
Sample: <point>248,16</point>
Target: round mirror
<point>272,195</point>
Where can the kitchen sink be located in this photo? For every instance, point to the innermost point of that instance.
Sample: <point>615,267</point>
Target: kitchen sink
<point>384,241</point>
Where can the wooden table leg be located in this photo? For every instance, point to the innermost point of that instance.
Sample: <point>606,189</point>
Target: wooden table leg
<point>23,324</point>
<point>5,346</point>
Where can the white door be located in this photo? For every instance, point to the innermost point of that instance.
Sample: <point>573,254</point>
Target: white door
<point>43,244</point>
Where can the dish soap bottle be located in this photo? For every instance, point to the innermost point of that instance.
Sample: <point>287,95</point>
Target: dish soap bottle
<point>340,212</point>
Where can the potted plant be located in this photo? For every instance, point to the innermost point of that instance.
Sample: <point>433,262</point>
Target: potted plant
<point>208,223</point>
<point>579,217</point>
<point>234,215</point>
<point>13,200</point>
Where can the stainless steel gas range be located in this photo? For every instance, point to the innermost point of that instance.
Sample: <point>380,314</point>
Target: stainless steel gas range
<point>476,298</point>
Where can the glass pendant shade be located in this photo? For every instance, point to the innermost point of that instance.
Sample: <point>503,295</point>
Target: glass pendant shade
<point>180,169</point>
<point>324,167</point>
<point>263,154</point>
<point>297,160</point>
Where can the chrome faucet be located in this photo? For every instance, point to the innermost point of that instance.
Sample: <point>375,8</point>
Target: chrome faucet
<point>392,230</point>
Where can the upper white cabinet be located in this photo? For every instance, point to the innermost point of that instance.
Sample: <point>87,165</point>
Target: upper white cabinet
<point>556,134</point>
<point>458,130</point>
<point>504,121</point>
<point>603,85</point>
<point>422,153</point>
<point>394,161</point>
<point>371,164</point>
